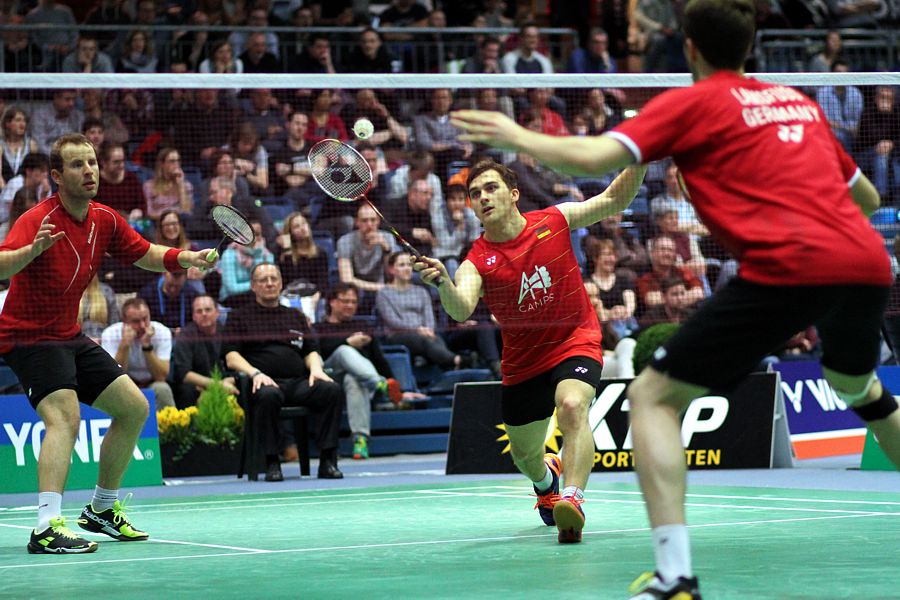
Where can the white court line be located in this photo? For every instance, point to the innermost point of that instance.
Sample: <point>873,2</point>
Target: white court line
<point>158,541</point>
<point>55,564</point>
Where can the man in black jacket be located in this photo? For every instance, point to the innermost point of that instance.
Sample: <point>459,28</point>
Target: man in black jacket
<point>271,344</point>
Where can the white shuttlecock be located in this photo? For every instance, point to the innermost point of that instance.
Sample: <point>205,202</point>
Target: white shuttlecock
<point>363,129</point>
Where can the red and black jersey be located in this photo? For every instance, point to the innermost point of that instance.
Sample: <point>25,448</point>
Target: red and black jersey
<point>43,298</point>
<point>786,214</point>
<point>533,287</point>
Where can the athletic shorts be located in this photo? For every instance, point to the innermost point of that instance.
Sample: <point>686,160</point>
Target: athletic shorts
<point>744,322</point>
<point>77,364</point>
<point>535,399</point>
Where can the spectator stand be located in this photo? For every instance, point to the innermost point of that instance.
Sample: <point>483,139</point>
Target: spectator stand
<point>790,50</point>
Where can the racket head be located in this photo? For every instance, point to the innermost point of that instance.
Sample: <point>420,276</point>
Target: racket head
<point>339,170</point>
<point>233,224</point>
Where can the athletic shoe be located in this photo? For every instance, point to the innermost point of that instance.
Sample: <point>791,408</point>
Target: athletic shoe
<point>360,448</point>
<point>390,388</point>
<point>547,500</point>
<point>569,519</point>
<point>650,586</point>
<point>112,521</point>
<point>59,539</point>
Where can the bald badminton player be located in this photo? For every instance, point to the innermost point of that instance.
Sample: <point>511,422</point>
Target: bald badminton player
<point>768,178</point>
<point>51,253</point>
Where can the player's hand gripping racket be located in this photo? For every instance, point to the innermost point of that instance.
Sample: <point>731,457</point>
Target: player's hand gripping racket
<point>344,174</point>
<point>234,225</point>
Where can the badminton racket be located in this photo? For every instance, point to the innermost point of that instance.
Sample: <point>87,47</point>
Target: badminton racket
<point>234,226</point>
<point>344,174</point>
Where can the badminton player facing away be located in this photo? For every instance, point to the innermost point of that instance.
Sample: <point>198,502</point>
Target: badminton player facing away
<point>524,268</point>
<point>51,254</point>
<point>769,180</point>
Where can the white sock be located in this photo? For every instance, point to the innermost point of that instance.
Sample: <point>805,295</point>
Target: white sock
<point>573,490</point>
<point>672,550</point>
<point>103,499</point>
<point>49,507</point>
<point>544,484</point>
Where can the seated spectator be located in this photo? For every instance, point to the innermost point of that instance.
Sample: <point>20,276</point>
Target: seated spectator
<point>599,114</point>
<point>98,309</point>
<point>169,299</point>
<point>370,55</point>
<point>20,54</point>
<point>258,17</point>
<point>675,307</point>
<point>674,197</point>
<point>362,255</point>
<point>301,260</point>
<point>323,123</point>
<point>114,15</point>
<point>220,190</point>
<point>237,264</point>
<point>551,122</point>
<point>263,110</point>
<point>257,57</point>
<point>202,136</point>
<point>869,14</point>
<point>616,296</point>
<point>137,54</point>
<point>490,99</point>
<point>479,334</point>
<point>221,60</point>
<point>526,59</point>
<point>86,58</point>
<point>879,132</point>
<point>339,217</point>
<point>389,133</point>
<point>617,352</point>
<point>455,226</point>
<point>94,131</point>
<point>408,315</point>
<point>121,189</point>
<point>487,59</point>
<point>823,61</point>
<point>419,166</point>
<point>412,218</point>
<point>658,23</point>
<point>315,58</point>
<point>93,103</point>
<point>16,142</point>
<point>250,157</point>
<point>24,199</point>
<point>663,256</point>
<point>436,135</point>
<point>665,216</point>
<point>594,58</point>
<point>34,176</point>
<point>222,161</point>
<point>143,348</point>
<point>630,253</point>
<point>170,232</point>
<point>540,187</point>
<point>197,351</point>
<point>354,355</point>
<point>135,108</point>
<point>55,43</point>
<point>288,158</point>
<point>842,105</point>
<point>271,344</point>
<point>168,187</point>
<point>56,118</point>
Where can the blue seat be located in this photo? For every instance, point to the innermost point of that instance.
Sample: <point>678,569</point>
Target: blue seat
<point>325,242</point>
<point>885,221</point>
<point>399,359</point>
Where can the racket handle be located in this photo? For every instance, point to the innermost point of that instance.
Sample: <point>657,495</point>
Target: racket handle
<point>211,257</point>
<point>419,257</point>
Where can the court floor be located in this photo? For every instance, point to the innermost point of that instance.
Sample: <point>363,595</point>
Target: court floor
<point>477,538</point>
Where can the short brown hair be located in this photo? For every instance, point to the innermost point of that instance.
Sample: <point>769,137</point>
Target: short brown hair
<point>508,176</point>
<point>75,139</point>
<point>722,30</point>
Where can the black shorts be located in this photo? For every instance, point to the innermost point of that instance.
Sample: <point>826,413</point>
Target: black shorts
<point>535,399</point>
<point>77,364</point>
<point>744,322</point>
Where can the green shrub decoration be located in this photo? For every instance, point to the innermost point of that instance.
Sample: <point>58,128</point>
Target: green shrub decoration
<point>649,340</point>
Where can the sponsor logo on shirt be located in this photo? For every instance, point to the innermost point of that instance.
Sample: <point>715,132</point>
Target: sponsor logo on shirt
<point>539,281</point>
<point>91,234</point>
<point>491,260</point>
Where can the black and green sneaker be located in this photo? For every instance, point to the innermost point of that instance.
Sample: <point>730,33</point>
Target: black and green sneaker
<point>59,539</point>
<point>650,586</point>
<point>112,521</point>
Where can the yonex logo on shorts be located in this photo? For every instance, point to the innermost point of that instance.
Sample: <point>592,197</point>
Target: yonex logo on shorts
<point>581,369</point>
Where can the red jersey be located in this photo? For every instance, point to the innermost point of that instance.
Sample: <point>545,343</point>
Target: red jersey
<point>43,298</point>
<point>532,285</point>
<point>767,177</point>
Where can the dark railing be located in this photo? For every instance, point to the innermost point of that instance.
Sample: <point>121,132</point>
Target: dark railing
<point>790,50</point>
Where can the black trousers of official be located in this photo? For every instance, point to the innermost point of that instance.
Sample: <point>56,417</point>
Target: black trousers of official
<point>325,399</point>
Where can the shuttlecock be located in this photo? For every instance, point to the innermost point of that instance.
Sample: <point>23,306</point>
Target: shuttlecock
<point>363,129</point>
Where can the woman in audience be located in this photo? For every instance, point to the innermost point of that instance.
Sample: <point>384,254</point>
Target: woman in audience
<point>236,266</point>
<point>221,60</point>
<point>250,157</point>
<point>170,232</point>
<point>323,123</point>
<point>615,290</point>
<point>16,142</point>
<point>137,54</point>
<point>222,161</point>
<point>98,309</point>
<point>408,315</point>
<point>24,199</point>
<point>301,259</point>
<point>168,187</point>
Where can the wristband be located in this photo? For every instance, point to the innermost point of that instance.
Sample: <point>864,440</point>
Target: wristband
<point>170,261</point>
<point>147,348</point>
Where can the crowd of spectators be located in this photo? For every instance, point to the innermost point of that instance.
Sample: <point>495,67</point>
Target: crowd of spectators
<point>168,156</point>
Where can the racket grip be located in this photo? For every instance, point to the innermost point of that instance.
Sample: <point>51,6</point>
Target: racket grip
<point>211,257</point>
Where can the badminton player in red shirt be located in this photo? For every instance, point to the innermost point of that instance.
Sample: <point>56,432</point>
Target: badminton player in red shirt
<point>51,254</point>
<point>768,178</point>
<point>524,268</point>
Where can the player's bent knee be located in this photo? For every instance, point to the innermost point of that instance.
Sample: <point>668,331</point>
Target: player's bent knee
<point>571,409</point>
<point>880,409</point>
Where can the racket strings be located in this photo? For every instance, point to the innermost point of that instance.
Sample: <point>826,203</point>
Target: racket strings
<point>340,171</point>
<point>233,225</point>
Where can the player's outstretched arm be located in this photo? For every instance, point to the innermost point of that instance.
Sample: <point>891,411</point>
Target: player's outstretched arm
<point>154,259</point>
<point>865,195</point>
<point>612,200</point>
<point>13,261</point>
<point>575,155</point>
<point>459,297</point>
